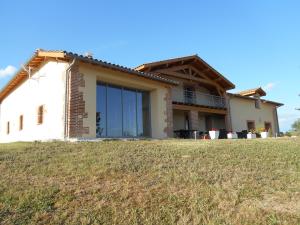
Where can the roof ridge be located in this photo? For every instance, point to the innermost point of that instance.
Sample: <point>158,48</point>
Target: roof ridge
<point>173,58</point>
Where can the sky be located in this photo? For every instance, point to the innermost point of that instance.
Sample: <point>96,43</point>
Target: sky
<point>253,43</point>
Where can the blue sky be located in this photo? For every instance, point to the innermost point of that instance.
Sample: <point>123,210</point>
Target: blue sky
<point>253,43</point>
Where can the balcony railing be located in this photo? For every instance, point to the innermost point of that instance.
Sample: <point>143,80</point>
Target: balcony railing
<point>196,97</point>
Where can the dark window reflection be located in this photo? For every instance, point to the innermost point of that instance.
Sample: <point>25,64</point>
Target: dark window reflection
<point>129,113</point>
<point>101,111</point>
<point>114,112</point>
<point>122,112</point>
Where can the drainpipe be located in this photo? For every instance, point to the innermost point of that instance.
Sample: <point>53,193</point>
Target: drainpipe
<point>277,122</point>
<point>66,122</point>
<point>229,120</point>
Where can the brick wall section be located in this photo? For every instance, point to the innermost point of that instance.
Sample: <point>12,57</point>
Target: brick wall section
<point>169,113</point>
<point>76,109</point>
<point>193,120</point>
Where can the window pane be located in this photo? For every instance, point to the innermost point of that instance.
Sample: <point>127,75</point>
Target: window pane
<point>114,112</point>
<point>140,114</point>
<point>129,113</point>
<point>101,111</point>
<point>190,95</point>
<point>143,114</point>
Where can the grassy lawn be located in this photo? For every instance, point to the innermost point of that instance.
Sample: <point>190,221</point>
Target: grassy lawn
<point>151,182</point>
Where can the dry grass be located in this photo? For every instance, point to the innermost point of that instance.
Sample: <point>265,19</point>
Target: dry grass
<point>151,182</point>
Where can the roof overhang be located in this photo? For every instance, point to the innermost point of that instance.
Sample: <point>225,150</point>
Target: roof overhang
<point>42,55</point>
<point>193,60</point>
<point>278,104</point>
<point>251,92</point>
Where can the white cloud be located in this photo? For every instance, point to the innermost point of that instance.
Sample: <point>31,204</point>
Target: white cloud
<point>269,86</point>
<point>8,71</point>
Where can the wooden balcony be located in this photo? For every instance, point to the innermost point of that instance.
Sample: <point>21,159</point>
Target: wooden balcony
<point>197,98</point>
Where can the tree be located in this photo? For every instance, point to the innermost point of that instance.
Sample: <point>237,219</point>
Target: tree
<point>296,125</point>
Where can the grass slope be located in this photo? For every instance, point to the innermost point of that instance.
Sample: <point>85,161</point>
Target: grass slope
<point>151,182</point>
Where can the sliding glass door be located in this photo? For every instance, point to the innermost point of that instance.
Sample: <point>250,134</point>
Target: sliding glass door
<point>122,112</point>
<point>129,113</point>
<point>114,112</point>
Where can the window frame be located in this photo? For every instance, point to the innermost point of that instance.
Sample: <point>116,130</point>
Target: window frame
<point>21,120</point>
<point>40,115</point>
<point>189,93</point>
<point>257,103</point>
<point>251,121</point>
<point>8,127</point>
<point>122,88</point>
<point>269,123</point>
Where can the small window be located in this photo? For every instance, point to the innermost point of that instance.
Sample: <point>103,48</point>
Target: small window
<point>250,125</point>
<point>21,122</point>
<point>257,103</point>
<point>189,95</point>
<point>40,118</point>
<point>7,128</point>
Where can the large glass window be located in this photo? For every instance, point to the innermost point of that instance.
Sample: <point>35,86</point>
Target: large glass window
<point>129,113</point>
<point>122,112</point>
<point>114,112</point>
<point>101,111</point>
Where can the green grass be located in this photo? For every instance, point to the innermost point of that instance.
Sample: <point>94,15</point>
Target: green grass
<point>151,182</point>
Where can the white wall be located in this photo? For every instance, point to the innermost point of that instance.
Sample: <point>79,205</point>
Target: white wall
<point>244,109</point>
<point>49,91</point>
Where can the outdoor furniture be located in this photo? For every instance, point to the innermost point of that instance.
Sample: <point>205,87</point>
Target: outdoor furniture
<point>223,134</point>
<point>185,134</point>
<point>242,134</point>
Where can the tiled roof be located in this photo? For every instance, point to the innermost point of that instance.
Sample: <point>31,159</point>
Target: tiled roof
<point>253,91</point>
<point>194,60</point>
<point>251,98</point>
<point>120,68</point>
<point>40,55</point>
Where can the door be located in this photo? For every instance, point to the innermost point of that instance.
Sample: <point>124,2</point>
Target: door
<point>268,126</point>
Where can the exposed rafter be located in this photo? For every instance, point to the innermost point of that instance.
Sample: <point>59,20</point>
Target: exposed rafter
<point>188,72</point>
<point>193,60</point>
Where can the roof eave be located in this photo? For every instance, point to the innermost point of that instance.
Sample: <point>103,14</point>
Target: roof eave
<point>250,98</point>
<point>64,55</point>
<point>121,68</point>
<point>229,85</point>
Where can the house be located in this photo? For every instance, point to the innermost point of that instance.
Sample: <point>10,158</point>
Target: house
<point>201,100</point>
<point>60,95</point>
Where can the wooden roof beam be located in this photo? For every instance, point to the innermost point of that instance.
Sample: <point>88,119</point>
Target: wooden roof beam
<point>51,54</point>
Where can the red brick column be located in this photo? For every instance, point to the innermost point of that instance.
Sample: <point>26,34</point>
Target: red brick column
<point>76,107</point>
<point>169,113</point>
<point>193,120</point>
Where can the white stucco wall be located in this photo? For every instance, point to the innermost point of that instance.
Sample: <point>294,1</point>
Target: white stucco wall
<point>45,88</point>
<point>243,110</point>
